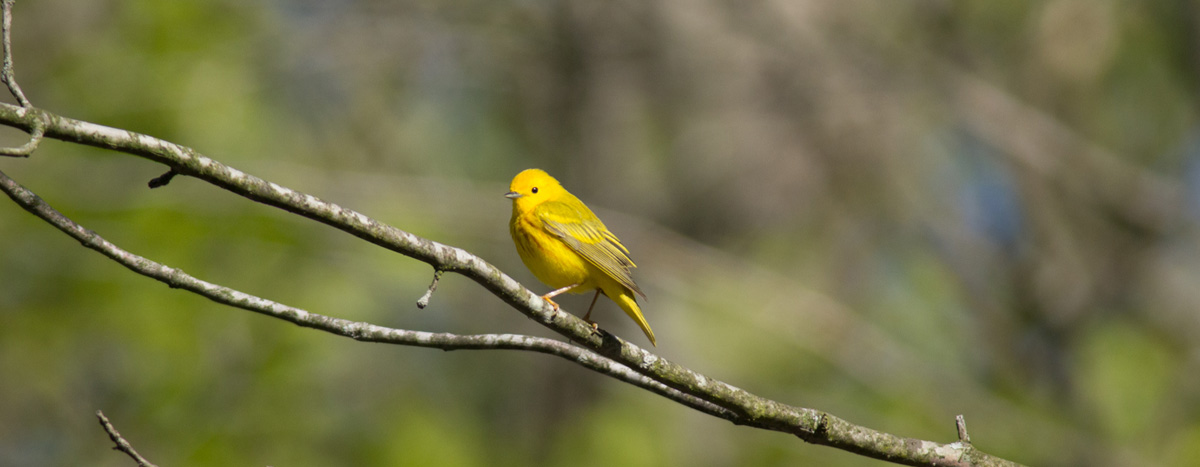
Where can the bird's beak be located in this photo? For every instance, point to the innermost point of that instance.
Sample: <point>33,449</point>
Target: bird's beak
<point>512,195</point>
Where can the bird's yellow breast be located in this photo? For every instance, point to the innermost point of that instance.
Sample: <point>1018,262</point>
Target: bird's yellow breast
<point>550,260</point>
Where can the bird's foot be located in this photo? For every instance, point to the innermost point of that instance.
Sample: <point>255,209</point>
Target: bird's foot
<point>551,302</point>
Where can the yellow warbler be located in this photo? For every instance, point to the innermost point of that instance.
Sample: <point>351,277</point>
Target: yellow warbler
<point>566,246</point>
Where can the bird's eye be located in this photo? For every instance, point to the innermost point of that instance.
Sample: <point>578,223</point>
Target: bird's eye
<point>534,190</point>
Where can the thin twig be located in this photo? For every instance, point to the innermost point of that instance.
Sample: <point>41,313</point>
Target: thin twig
<point>121,444</point>
<point>424,300</point>
<point>6,73</point>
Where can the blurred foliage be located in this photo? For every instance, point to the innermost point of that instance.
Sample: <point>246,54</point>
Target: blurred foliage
<point>892,211</point>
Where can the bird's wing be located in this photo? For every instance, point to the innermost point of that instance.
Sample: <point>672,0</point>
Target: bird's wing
<point>582,231</point>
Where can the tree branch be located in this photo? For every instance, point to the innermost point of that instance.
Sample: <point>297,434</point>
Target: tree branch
<point>719,398</point>
<point>365,332</point>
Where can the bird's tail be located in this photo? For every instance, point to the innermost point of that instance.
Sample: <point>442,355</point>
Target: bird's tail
<point>627,302</point>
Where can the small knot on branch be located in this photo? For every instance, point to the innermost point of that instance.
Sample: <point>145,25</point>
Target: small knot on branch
<point>164,179</point>
<point>424,300</point>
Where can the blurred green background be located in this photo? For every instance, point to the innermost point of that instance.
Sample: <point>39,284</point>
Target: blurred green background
<point>892,211</point>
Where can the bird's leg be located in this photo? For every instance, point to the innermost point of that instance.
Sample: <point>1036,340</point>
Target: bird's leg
<point>588,317</point>
<point>550,295</point>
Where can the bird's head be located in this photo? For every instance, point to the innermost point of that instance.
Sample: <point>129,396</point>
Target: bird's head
<point>531,187</point>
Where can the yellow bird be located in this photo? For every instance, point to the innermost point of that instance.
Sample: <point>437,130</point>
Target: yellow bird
<point>566,246</point>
